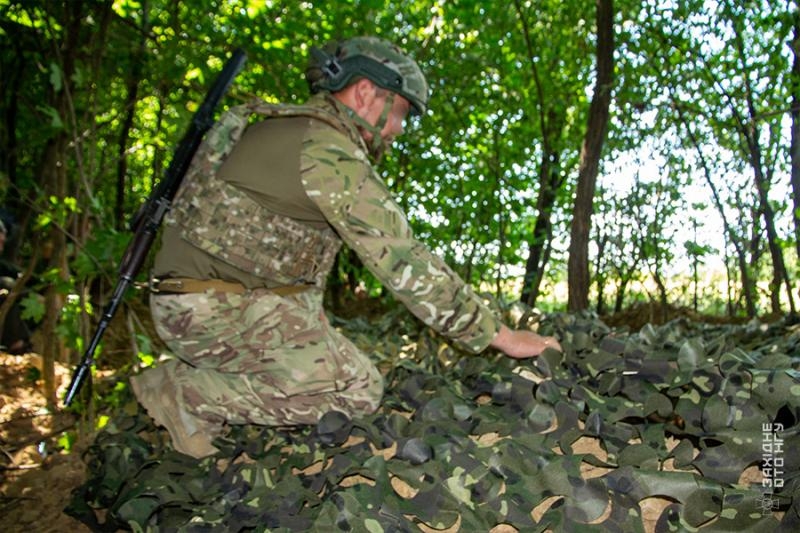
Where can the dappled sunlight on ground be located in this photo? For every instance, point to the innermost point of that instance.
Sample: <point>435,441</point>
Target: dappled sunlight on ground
<point>36,479</point>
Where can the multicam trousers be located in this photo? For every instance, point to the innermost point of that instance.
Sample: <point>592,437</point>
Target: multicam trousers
<point>261,358</point>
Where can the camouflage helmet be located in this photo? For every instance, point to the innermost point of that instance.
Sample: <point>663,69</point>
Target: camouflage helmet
<point>383,63</point>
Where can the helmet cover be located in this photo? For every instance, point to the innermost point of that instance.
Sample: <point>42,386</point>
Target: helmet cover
<point>340,63</point>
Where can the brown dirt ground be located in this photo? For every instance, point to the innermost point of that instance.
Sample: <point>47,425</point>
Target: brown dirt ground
<point>36,478</point>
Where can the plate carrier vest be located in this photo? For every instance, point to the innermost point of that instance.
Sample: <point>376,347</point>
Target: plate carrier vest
<point>225,222</point>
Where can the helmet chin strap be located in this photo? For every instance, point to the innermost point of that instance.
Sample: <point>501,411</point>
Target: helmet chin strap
<point>379,147</point>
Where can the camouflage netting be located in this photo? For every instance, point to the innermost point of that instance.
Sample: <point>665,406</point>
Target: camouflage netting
<point>671,428</point>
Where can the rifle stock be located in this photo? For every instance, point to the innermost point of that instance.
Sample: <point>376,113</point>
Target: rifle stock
<point>147,221</point>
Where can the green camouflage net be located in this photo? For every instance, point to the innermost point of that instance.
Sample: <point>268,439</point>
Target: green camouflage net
<point>681,427</point>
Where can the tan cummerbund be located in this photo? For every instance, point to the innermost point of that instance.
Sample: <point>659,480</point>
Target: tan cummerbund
<point>190,285</point>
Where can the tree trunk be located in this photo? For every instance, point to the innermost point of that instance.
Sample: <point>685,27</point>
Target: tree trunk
<point>748,129</point>
<point>619,298</point>
<point>794,149</point>
<point>601,278</point>
<point>551,121</point>
<point>132,86</point>
<point>538,246</point>
<point>748,286</point>
<point>578,265</point>
<point>779,273</point>
<point>663,304</point>
<point>55,185</point>
<point>54,176</point>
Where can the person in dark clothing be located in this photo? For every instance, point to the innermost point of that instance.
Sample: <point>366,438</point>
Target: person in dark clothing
<point>16,334</point>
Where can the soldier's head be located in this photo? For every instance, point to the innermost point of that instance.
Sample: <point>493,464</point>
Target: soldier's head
<point>376,80</point>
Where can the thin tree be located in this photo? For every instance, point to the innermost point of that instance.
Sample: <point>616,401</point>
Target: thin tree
<point>794,150</point>
<point>747,127</point>
<point>552,121</point>
<point>578,265</point>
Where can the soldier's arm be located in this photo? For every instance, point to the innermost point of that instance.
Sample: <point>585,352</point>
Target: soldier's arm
<point>339,179</point>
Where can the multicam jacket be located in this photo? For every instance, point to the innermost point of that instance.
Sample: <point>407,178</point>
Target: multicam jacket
<point>288,194</point>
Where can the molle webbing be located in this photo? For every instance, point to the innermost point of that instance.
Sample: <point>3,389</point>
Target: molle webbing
<point>225,222</point>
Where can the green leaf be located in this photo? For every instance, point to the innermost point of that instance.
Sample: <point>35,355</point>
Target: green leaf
<point>56,77</point>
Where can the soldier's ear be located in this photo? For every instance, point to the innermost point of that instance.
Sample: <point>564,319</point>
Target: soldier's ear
<point>364,93</point>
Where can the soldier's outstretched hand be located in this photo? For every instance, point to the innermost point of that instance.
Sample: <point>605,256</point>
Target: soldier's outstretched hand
<point>521,344</point>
